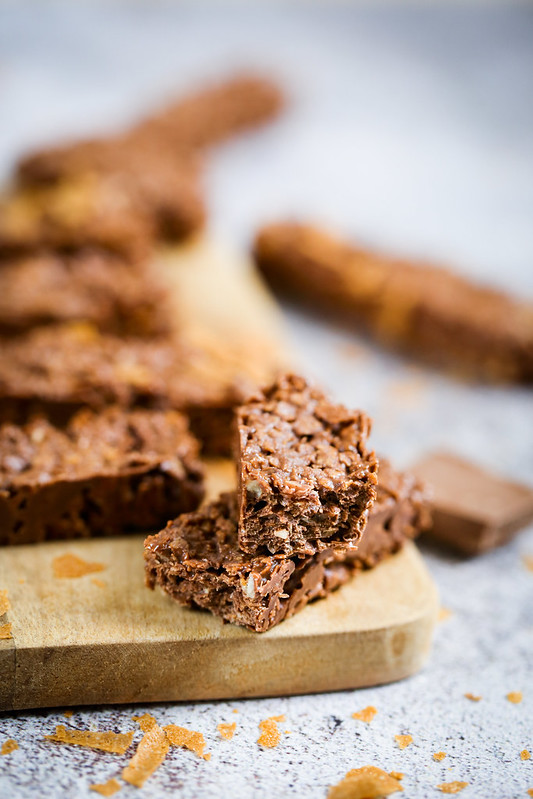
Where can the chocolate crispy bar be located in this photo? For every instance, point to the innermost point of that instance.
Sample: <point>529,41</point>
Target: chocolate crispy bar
<point>56,370</point>
<point>196,122</point>
<point>116,296</point>
<point>419,309</point>
<point>197,561</point>
<point>306,478</point>
<point>104,474</point>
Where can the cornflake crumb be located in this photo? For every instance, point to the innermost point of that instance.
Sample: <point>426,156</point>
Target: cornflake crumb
<point>115,742</point>
<point>404,741</point>
<point>528,562</point>
<point>473,697</point>
<point>22,580</point>
<point>5,604</point>
<point>367,714</point>
<point>227,731</point>
<point>9,746</point>
<point>439,755</point>
<point>515,697</point>
<point>396,775</point>
<point>6,631</point>
<point>106,788</point>
<point>525,755</point>
<point>68,713</point>
<point>270,735</point>
<point>530,791</point>
<point>444,613</point>
<point>150,753</point>
<point>452,787</point>
<point>235,710</point>
<point>69,566</point>
<point>99,583</point>
<point>191,740</point>
<point>145,722</point>
<point>367,782</point>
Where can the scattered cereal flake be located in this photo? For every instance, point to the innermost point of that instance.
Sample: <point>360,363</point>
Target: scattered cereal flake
<point>270,735</point>
<point>367,714</point>
<point>404,741</point>
<point>227,731</point>
<point>396,775</point>
<point>234,710</point>
<point>528,562</point>
<point>68,713</point>
<point>22,580</point>
<point>6,631</point>
<point>444,613</point>
<point>150,753</point>
<point>106,788</point>
<point>146,721</point>
<point>69,566</point>
<point>9,746</point>
<point>115,742</point>
<point>452,787</point>
<point>530,791</point>
<point>5,604</point>
<point>515,697</point>
<point>473,697</point>
<point>181,736</point>
<point>525,755</point>
<point>439,755</point>
<point>368,782</point>
<point>99,583</point>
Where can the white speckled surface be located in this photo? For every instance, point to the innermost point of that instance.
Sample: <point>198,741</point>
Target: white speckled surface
<point>411,127</point>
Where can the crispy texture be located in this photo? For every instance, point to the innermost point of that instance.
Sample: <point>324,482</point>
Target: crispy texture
<point>417,308</point>
<point>403,741</point>
<point>150,753</point>
<point>9,746</point>
<point>59,369</point>
<point>104,474</point>
<point>5,604</point>
<point>306,478</point>
<point>197,121</point>
<point>367,782</point>
<point>189,739</point>
<point>117,296</point>
<point>115,742</point>
<point>270,735</point>
<point>197,561</point>
<point>108,788</point>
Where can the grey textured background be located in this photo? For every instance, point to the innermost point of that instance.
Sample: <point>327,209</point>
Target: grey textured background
<point>411,127</point>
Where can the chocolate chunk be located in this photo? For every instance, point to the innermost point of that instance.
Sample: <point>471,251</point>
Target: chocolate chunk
<point>306,478</point>
<point>104,474</point>
<point>197,561</point>
<point>417,308</point>
<point>473,510</point>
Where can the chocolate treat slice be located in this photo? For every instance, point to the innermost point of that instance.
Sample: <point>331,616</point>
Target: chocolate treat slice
<point>124,207</point>
<point>198,121</point>
<point>306,478</point>
<point>57,370</point>
<point>473,510</point>
<point>417,308</point>
<point>197,561</point>
<point>117,296</point>
<point>104,474</point>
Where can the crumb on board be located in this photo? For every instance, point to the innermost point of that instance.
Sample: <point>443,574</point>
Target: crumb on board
<point>6,631</point>
<point>234,710</point>
<point>189,739</point>
<point>68,713</point>
<point>528,562</point>
<point>145,722</point>
<point>115,742</point>
<point>270,735</point>
<point>396,775</point>
<point>525,755</point>
<point>22,580</point>
<point>530,791</point>
<point>439,755</point>
<point>444,613</point>
<point>367,782</point>
<point>403,741</point>
<point>452,787</point>
<point>473,697</point>
<point>106,788</point>
<point>5,604</point>
<point>149,755</point>
<point>227,731</point>
<point>9,746</point>
<point>515,697</point>
<point>99,583</point>
<point>70,566</point>
<point>366,714</point>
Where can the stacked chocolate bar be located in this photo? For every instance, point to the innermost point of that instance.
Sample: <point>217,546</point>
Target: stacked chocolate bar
<point>309,512</point>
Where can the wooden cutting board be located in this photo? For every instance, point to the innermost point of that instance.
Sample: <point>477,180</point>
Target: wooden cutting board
<point>105,638</point>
